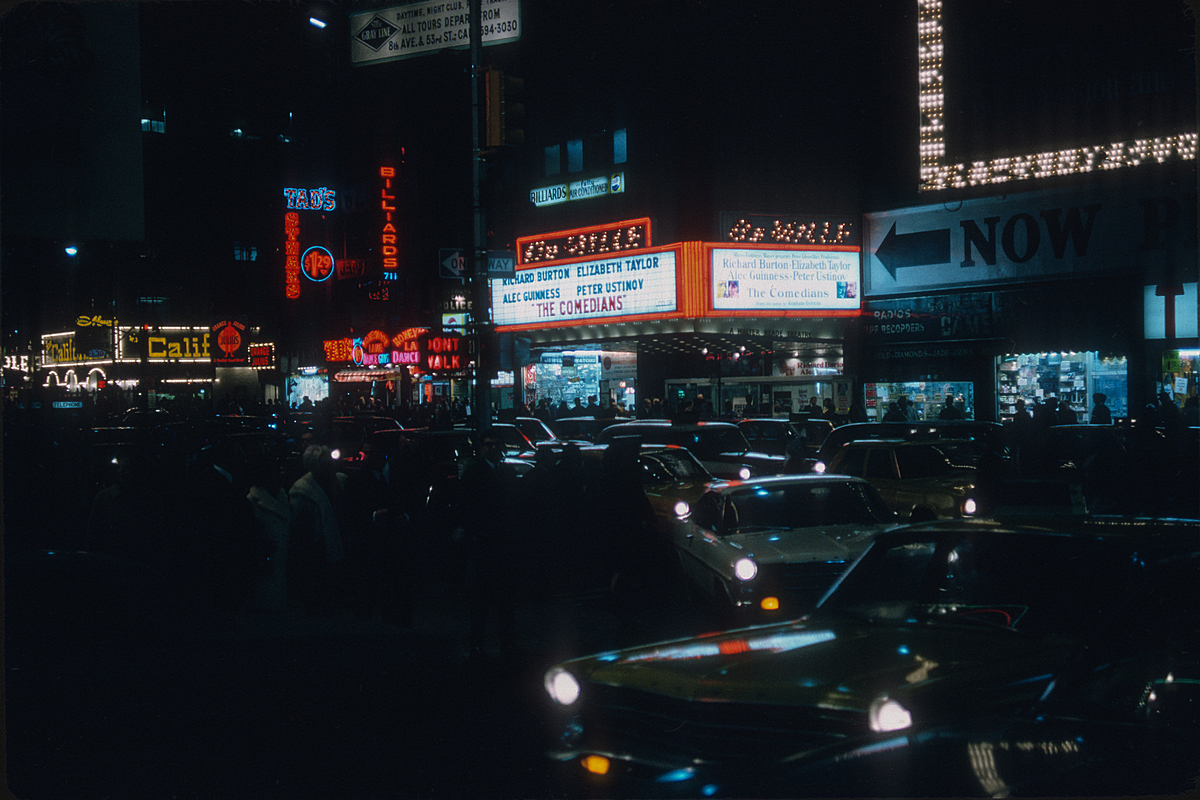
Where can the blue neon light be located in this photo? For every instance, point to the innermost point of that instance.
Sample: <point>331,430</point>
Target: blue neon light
<point>304,259</point>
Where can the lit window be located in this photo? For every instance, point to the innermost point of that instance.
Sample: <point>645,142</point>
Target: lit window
<point>237,133</point>
<point>154,126</point>
<point>619,154</point>
<point>244,252</point>
<point>575,155</point>
<point>553,159</point>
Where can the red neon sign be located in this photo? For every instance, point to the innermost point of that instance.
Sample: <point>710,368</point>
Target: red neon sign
<point>387,236</point>
<point>291,249</point>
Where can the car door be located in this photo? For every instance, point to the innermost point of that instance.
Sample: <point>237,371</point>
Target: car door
<point>696,542</point>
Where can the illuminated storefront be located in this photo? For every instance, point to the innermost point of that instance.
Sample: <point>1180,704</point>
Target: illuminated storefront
<point>1026,296</point>
<point>745,322</point>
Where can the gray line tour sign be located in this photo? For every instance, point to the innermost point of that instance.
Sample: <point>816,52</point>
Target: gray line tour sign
<point>417,29</point>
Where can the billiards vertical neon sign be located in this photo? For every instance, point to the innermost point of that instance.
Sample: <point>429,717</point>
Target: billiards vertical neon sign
<point>387,236</point>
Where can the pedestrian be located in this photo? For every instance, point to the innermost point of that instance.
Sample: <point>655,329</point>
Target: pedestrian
<point>1101,415</point>
<point>830,412</point>
<point>949,410</point>
<point>893,413</point>
<point>486,486</point>
<point>316,551</point>
<point>272,512</point>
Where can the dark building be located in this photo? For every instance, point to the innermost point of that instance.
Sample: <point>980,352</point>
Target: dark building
<point>170,143</point>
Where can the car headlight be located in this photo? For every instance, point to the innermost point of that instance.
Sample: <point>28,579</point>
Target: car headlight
<point>682,509</point>
<point>969,507</point>
<point>562,686</point>
<point>745,569</point>
<point>744,473</point>
<point>335,454</point>
<point>889,715</point>
<point>819,467</point>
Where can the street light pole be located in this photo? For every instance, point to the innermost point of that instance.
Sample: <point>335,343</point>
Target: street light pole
<point>480,290</point>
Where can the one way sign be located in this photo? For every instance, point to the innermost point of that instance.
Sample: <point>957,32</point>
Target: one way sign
<point>453,263</point>
<point>502,264</point>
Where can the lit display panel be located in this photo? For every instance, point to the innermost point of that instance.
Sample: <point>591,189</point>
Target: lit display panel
<point>1026,75</point>
<point>618,287</point>
<point>818,279</point>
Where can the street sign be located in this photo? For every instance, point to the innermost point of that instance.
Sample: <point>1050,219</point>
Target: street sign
<point>416,29</point>
<point>502,264</point>
<point>453,263</point>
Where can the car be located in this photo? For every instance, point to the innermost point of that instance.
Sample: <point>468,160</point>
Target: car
<point>918,479</point>
<point>945,632</point>
<point>768,548</point>
<point>991,434</point>
<point>619,500</point>
<point>516,443</point>
<point>345,435</point>
<point>797,440</point>
<point>720,446</point>
<point>579,429</point>
<point>535,430</point>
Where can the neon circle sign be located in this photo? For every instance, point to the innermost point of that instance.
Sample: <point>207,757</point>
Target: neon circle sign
<point>317,264</point>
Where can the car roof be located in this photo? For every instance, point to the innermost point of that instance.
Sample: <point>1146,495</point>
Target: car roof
<point>1171,534</point>
<point>773,481</point>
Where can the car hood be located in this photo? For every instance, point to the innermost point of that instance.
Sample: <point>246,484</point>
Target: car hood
<point>799,545</point>
<point>840,667</point>
<point>751,456</point>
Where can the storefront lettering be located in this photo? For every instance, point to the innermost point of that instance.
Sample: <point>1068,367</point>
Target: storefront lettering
<point>387,235</point>
<point>187,347</point>
<point>291,250</point>
<point>1074,229</point>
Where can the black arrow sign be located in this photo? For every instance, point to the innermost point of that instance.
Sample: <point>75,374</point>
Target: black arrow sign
<point>913,249</point>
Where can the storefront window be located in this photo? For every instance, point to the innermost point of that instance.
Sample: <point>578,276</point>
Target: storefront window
<point>1071,377</point>
<point>314,387</point>
<point>924,400</point>
<point>566,375</point>
<point>1181,370</point>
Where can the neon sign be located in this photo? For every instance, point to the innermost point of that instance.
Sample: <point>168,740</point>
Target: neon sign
<point>317,264</point>
<point>387,235</point>
<point>443,353</point>
<point>376,349</point>
<point>321,199</point>
<point>291,249</point>
<point>614,237</point>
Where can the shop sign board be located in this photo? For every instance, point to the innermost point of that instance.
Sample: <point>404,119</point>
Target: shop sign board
<point>584,189</point>
<point>616,287</point>
<point>967,315</point>
<point>167,344</point>
<point>417,29</point>
<point>232,343</point>
<point>1035,236</point>
<point>793,279</point>
<point>1170,311</point>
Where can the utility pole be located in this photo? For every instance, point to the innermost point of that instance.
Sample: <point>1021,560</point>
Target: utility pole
<point>480,289</point>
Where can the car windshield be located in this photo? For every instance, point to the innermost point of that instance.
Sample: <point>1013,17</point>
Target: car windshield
<point>711,442</point>
<point>672,466</point>
<point>936,460</point>
<point>1034,583</point>
<point>802,506</point>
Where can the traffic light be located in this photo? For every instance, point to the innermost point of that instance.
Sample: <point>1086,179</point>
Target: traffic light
<point>505,110</point>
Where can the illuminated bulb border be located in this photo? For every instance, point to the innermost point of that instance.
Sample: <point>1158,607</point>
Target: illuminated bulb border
<point>1073,161</point>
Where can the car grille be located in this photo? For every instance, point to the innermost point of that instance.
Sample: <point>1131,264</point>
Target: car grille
<point>649,725</point>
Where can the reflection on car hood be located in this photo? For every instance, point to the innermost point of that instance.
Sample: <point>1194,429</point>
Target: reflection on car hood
<point>799,545</point>
<point>844,666</point>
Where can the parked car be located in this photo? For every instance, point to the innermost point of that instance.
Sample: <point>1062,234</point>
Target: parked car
<point>720,446</point>
<point>579,429</point>
<point>768,548</point>
<point>991,434</point>
<point>797,440</point>
<point>918,479</point>
<point>345,435</point>
<point>535,430</point>
<point>911,675</point>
